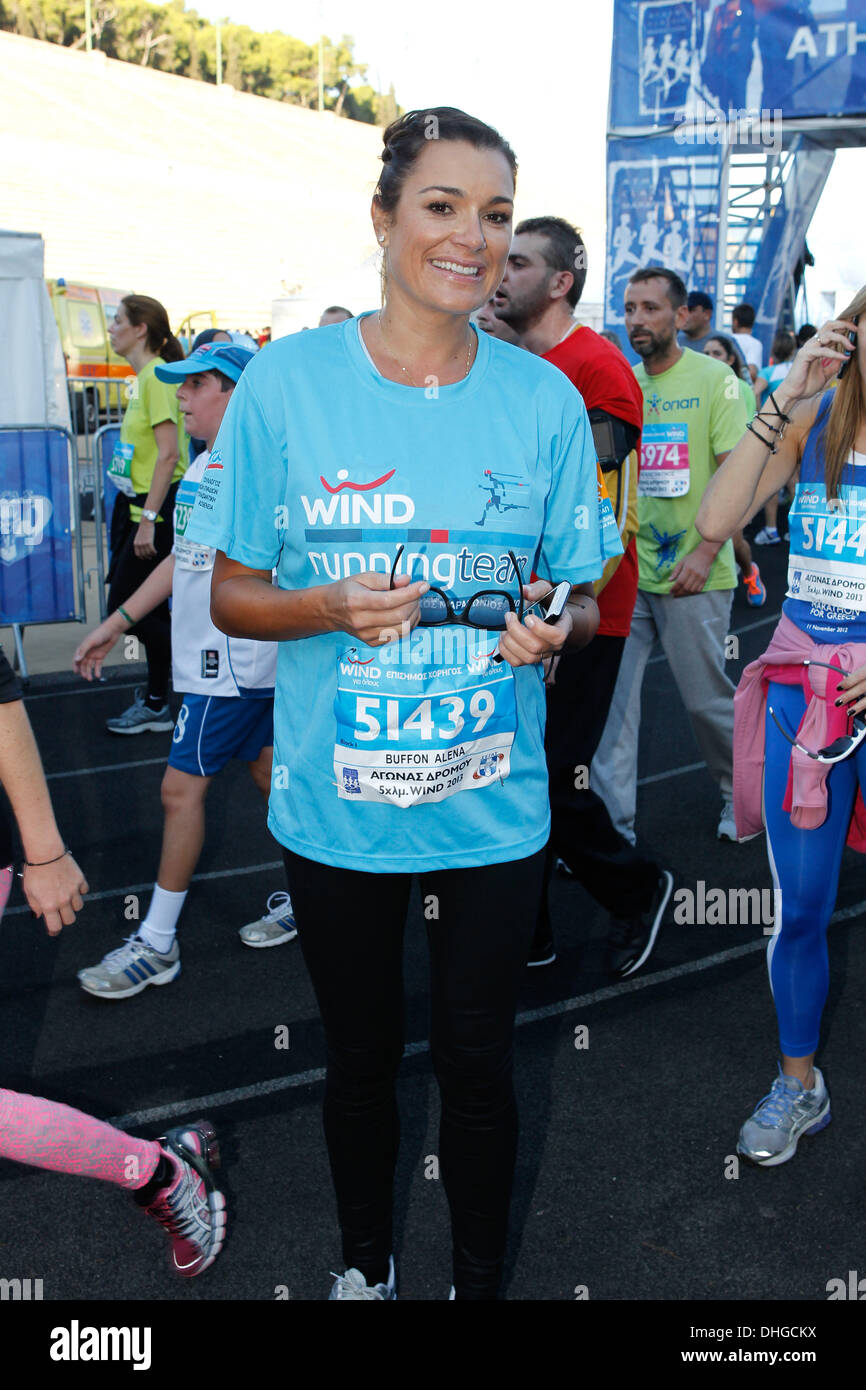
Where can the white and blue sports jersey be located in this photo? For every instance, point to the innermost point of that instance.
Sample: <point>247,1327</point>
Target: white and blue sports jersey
<point>826,594</point>
<point>424,753</point>
<point>203,660</point>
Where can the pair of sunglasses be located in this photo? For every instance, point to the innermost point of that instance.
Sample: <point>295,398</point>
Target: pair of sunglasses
<point>486,609</point>
<point>841,747</point>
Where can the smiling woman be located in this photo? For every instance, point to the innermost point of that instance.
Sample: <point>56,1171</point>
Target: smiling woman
<point>367,461</point>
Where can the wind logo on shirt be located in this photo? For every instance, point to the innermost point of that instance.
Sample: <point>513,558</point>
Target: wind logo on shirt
<point>358,503</point>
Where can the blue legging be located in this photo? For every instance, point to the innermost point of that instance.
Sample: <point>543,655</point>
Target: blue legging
<point>806,865</point>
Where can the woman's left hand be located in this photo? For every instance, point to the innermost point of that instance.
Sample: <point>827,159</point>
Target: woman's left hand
<point>852,690</point>
<point>527,643</point>
<point>143,544</point>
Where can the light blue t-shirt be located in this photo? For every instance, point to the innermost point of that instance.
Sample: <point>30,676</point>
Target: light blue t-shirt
<point>424,753</point>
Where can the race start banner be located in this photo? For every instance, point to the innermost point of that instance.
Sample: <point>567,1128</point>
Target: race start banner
<point>803,57</point>
<point>693,81</point>
<point>39,531</point>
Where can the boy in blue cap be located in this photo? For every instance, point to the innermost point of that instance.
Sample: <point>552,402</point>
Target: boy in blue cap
<point>227,710</point>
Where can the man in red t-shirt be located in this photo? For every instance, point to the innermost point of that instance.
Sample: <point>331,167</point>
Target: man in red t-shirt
<point>542,284</point>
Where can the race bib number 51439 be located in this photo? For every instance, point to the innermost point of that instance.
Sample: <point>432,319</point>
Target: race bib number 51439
<point>411,736</point>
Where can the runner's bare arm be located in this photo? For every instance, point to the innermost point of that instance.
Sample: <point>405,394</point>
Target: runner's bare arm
<point>94,648</point>
<point>751,473</point>
<point>54,885</point>
<point>244,603</point>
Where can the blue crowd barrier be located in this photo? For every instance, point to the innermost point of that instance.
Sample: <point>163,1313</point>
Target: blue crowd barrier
<point>41,561</point>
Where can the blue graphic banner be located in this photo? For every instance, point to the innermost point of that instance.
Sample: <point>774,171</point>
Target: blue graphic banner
<point>662,209</point>
<point>37,570</point>
<point>803,57</point>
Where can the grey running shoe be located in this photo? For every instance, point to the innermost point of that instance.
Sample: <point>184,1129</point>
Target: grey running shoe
<point>352,1285</point>
<point>192,1210</point>
<point>130,969</point>
<point>782,1118</point>
<point>276,926</point>
<point>727,825</point>
<point>141,719</point>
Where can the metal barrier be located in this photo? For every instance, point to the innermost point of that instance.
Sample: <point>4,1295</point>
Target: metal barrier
<point>93,403</point>
<point>41,556</point>
<point>104,497</point>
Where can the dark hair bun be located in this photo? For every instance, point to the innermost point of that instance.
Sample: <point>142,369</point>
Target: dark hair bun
<point>387,155</point>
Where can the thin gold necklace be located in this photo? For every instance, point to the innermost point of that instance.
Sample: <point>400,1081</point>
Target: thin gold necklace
<point>405,370</point>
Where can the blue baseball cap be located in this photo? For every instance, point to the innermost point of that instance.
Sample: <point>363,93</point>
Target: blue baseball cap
<point>227,358</point>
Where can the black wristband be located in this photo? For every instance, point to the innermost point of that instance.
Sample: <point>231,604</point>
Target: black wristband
<point>43,862</point>
<point>768,443</point>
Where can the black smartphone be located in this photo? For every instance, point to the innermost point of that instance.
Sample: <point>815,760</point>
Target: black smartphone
<point>852,338</point>
<point>553,602</point>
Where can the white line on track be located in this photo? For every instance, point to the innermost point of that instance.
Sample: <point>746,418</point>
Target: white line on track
<point>147,887</point>
<point>85,689</point>
<point>564,1006</point>
<point>106,767</point>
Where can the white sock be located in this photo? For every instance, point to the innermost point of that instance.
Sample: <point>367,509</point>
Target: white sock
<point>159,926</point>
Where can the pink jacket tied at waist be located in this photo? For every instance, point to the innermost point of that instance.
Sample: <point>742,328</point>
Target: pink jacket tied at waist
<point>806,792</point>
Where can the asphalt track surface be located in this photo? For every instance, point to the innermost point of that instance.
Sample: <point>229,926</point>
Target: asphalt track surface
<point>623,1187</point>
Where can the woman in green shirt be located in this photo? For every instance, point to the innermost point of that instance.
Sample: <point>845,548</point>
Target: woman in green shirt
<point>721,347</point>
<point>149,460</point>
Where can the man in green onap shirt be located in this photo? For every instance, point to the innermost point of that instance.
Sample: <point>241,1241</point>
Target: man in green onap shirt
<point>686,584</point>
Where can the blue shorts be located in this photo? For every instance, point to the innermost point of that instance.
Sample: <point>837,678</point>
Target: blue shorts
<point>213,729</point>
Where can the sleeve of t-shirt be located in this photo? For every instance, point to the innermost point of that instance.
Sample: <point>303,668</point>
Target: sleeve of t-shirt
<point>241,499</point>
<point>160,401</point>
<point>728,418</point>
<point>580,531</point>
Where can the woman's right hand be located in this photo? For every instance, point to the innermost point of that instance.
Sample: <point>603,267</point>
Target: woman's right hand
<point>88,659</point>
<point>366,607</point>
<point>817,362</point>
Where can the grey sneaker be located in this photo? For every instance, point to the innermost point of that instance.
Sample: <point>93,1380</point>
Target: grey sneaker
<point>781,1118</point>
<point>275,927</point>
<point>141,719</point>
<point>130,969</point>
<point>352,1285</point>
<point>727,825</point>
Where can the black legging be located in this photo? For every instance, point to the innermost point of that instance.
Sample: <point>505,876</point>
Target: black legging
<point>581,832</point>
<point>127,572</point>
<point>350,926</point>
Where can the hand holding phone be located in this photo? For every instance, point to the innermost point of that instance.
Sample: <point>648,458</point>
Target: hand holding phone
<point>553,603</point>
<point>852,338</point>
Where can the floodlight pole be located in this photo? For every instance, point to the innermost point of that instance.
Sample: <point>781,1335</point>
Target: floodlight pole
<point>219,53</point>
<point>88,26</point>
<point>321,76</point>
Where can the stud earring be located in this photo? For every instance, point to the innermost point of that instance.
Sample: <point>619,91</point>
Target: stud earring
<point>381,241</point>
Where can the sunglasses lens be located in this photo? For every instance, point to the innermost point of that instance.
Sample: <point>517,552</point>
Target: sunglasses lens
<point>839,748</point>
<point>433,608</point>
<point>488,611</point>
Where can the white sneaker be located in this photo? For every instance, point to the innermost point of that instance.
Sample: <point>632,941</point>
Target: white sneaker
<point>768,536</point>
<point>129,969</point>
<point>352,1285</point>
<point>727,825</point>
<point>275,927</point>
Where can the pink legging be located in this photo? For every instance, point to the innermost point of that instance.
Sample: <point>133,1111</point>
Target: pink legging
<point>46,1134</point>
